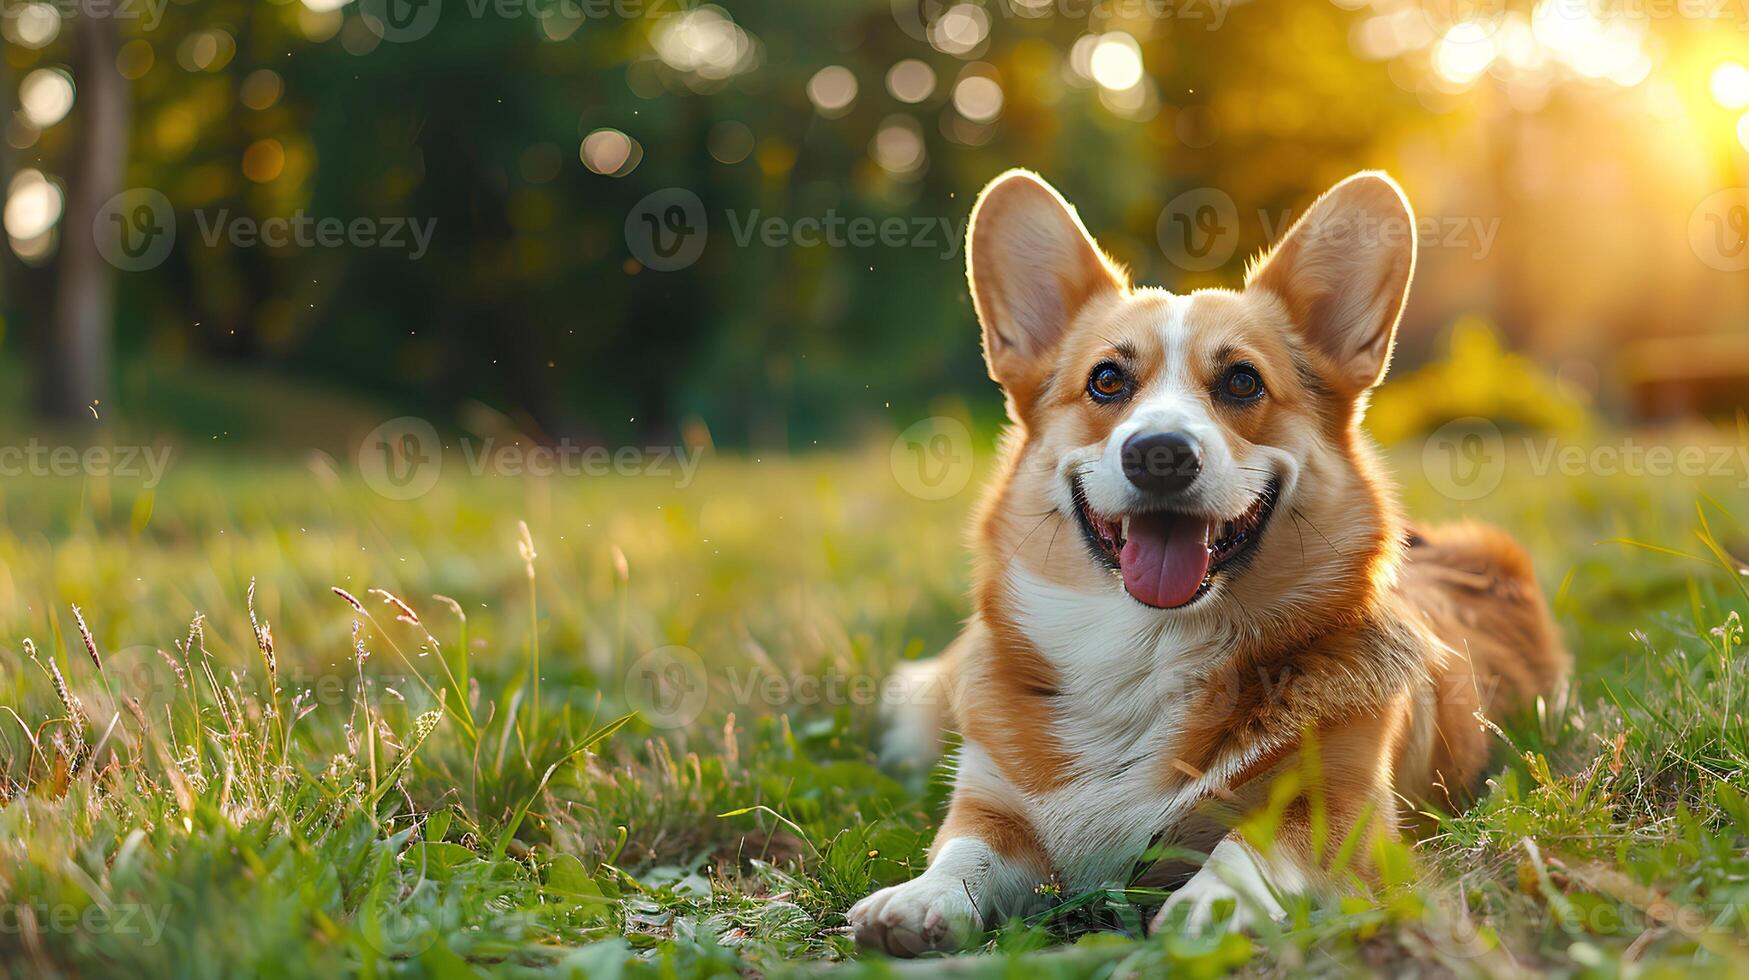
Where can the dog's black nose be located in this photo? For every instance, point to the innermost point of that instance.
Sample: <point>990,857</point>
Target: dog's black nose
<point>1161,462</point>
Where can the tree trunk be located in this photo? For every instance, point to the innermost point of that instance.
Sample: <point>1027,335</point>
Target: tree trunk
<point>76,365</point>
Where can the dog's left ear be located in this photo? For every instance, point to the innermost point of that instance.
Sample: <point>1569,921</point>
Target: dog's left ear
<point>1343,271</point>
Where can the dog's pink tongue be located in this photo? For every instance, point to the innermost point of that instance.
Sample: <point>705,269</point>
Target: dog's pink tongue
<point>1165,558</point>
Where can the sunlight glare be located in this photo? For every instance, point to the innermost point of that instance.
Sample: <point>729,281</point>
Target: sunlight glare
<point>1116,62</point>
<point>1730,85</point>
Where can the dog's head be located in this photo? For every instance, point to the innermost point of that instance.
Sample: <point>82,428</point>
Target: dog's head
<point>1201,452</point>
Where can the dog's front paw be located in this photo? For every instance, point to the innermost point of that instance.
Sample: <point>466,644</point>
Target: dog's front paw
<point>1202,895</point>
<point>1232,874</point>
<point>931,912</point>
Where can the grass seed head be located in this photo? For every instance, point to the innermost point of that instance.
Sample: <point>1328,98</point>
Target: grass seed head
<point>85,634</point>
<point>196,636</point>
<point>454,606</point>
<point>175,665</point>
<point>69,700</point>
<point>263,637</point>
<point>264,640</point>
<point>525,545</point>
<point>404,612</point>
<point>351,600</point>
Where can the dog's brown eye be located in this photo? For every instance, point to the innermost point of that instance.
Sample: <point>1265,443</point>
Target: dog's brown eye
<point>1241,383</point>
<point>1108,383</point>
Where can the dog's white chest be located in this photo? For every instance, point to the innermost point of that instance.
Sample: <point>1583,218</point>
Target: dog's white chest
<point>1124,693</point>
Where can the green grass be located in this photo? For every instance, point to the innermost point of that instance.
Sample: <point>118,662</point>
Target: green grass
<point>417,810</point>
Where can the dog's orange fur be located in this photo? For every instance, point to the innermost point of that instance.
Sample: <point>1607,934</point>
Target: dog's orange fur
<point>1378,644</point>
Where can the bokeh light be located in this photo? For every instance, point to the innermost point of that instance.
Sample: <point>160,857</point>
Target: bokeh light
<point>911,81</point>
<point>961,30</point>
<point>33,205</point>
<point>1464,53</point>
<point>898,145</point>
<point>1593,47</point>
<point>1730,85</point>
<point>210,50</point>
<point>978,97</point>
<point>1115,62</point>
<point>264,161</point>
<point>730,141</point>
<point>611,153</point>
<point>33,25</point>
<point>261,89</point>
<point>832,90</point>
<point>135,59</point>
<point>704,42</point>
<point>46,96</point>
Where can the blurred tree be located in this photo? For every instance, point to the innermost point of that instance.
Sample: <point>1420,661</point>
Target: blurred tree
<point>76,365</point>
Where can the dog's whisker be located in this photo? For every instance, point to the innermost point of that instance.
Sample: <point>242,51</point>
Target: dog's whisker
<point>1295,511</point>
<point>1016,552</point>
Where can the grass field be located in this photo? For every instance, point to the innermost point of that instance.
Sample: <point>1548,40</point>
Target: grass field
<point>467,785</point>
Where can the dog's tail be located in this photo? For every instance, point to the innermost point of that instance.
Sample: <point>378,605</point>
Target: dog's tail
<point>917,703</point>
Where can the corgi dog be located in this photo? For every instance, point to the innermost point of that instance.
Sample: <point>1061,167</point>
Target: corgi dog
<point>1193,584</point>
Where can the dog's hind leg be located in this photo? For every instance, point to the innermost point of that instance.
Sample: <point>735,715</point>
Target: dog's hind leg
<point>917,702</point>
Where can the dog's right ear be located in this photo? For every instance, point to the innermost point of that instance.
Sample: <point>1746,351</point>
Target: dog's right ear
<point>1031,266</point>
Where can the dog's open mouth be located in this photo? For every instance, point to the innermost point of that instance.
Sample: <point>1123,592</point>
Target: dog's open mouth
<point>1169,560</point>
